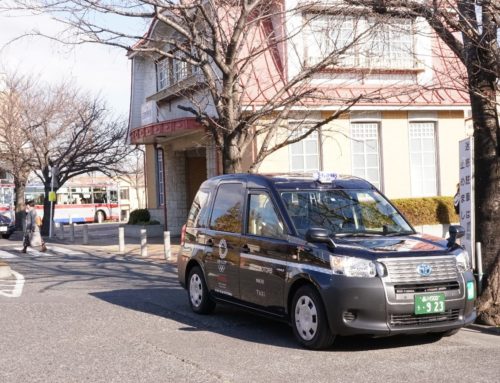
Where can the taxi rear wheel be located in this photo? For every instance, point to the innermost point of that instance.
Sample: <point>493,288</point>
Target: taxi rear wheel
<point>309,321</point>
<point>199,298</point>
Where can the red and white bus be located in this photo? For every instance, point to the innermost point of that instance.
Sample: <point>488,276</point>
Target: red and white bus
<point>7,200</point>
<point>78,203</point>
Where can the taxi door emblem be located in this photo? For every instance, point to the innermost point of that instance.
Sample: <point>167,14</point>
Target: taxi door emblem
<point>222,248</point>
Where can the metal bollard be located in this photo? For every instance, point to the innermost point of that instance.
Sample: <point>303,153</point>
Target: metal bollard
<point>62,230</point>
<point>121,240</point>
<point>72,232</point>
<point>144,243</point>
<point>85,234</point>
<point>166,241</point>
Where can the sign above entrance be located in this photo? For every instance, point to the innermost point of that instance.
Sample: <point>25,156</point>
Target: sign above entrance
<point>149,133</point>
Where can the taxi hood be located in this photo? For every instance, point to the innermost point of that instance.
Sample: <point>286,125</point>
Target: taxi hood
<point>407,245</point>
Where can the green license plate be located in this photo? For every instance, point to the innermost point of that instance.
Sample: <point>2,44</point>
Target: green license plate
<point>429,303</point>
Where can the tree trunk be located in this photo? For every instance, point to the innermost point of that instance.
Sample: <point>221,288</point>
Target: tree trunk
<point>231,158</point>
<point>487,190</point>
<point>45,230</point>
<point>20,189</point>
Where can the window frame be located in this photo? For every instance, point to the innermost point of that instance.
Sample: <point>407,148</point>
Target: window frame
<point>317,137</point>
<point>379,151</point>
<point>279,216</point>
<point>212,206</point>
<point>436,160</point>
<point>361,55</point>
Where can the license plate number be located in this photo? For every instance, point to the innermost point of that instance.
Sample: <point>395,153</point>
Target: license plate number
<point>429,303</point>
<point>3,228</point>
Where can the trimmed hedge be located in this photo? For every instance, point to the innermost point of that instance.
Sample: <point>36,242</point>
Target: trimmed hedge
<point>139,216</point>
<point>427,211</point>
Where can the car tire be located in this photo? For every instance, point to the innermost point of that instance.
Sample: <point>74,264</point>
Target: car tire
<point>198,295</point>
<point>309,322</point>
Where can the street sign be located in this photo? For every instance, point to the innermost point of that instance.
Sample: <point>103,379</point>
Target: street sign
<point>466,191</point>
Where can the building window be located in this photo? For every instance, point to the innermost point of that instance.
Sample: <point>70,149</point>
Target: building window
<point>181,70</point>
<point>361,42</point>
<point>124,193</point>
<point>304,155</point>
<point>423,159</point>
<point>160,178</point>
<point>163,73</point>
<point>365,152</point>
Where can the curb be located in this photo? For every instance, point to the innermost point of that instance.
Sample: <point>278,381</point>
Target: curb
<point>5,271</point>
<point>484,328</point>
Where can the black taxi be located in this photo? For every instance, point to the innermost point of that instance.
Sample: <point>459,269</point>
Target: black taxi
<point>328,253</point>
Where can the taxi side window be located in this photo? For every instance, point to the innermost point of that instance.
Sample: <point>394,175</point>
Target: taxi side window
<point>197,216</point>
<point>263,220</point>
<point>226,214</point>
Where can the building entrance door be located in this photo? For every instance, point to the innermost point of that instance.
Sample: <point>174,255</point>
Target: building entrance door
<point>196,173</point>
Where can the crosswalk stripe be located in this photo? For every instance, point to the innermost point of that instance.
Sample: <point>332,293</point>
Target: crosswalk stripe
<point>35,253</point>
<point>64,250</point>
<point>6,255</point>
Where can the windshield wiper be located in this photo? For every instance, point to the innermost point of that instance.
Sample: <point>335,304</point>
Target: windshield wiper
<point>397,233</point>
<point>358,234</point>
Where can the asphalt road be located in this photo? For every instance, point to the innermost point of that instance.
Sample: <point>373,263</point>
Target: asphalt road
<point>86,318</point>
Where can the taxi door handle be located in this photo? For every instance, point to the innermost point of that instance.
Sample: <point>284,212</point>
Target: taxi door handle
<point>245,249</point>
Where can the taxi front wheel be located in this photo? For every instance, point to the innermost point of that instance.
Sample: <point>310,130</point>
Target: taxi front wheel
<point>309,319</point>
<point>199,298</point>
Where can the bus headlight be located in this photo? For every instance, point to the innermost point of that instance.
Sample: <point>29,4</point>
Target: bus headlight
<point>352,267</point>
<point>463,261</point>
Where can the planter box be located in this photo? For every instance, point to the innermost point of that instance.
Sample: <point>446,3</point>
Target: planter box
<point>134,231</point>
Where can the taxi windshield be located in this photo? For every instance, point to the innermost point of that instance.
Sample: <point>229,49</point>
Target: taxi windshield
<point>344,212</point>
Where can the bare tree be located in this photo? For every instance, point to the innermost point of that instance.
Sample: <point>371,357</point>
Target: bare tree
<point>21,111</point>
<point>248,90</point>
<point>80,137</point>
<point>470,29</point>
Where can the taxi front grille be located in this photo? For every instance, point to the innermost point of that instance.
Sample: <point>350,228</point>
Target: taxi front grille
<point>400,320</point>
<point>426,287</point>
<point>406,270</point>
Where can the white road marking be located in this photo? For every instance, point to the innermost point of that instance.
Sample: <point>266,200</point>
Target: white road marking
<point>6,255</point>
<point>63,250</point>
<point>17,290</point>
<point>35,253</point>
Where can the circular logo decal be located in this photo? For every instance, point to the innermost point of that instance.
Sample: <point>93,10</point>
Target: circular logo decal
<point>222,248</point>
<point>424,269</point>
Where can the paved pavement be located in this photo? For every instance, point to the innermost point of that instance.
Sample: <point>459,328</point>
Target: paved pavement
<point>87,314</point>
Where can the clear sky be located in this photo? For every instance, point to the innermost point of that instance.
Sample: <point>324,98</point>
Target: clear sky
<point>101,70</point>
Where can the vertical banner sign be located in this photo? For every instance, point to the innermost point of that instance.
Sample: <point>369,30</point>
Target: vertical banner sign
<point>466,155</point>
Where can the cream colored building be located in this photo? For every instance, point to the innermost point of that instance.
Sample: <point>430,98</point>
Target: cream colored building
<point>406,143</point>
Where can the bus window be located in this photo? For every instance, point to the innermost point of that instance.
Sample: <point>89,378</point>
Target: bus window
<point>100,195</point>
<point>6,195</point>
<point>81,195</point>
<point>34,194</point>
<point>113,196</point>
<point>63,196</point>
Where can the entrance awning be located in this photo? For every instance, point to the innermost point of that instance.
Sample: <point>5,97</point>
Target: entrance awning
<point>151,133</point>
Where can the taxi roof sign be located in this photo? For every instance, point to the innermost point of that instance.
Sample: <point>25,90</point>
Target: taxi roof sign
<point>325,177</point>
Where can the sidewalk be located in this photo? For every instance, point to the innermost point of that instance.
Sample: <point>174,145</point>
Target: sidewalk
<point>109,244</point>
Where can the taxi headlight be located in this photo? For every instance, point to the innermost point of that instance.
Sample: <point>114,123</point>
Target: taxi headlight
<point>463,261</point>
<point>352,267</point>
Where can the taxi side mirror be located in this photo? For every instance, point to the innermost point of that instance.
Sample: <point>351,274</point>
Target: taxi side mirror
<point>456,232</point>
<point>320,235</point>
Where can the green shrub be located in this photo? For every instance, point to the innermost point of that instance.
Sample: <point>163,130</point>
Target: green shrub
<point>427,211</point>
<point>139,216</point>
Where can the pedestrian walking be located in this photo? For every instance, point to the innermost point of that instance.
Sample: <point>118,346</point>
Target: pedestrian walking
<point>32,223</point>
<point>456,200</point>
